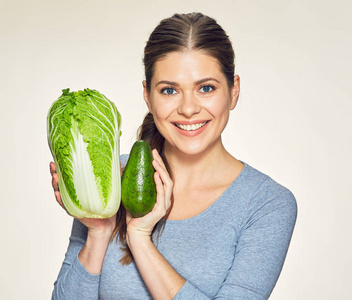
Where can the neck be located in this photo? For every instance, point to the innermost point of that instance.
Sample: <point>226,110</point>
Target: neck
<point>197,169</point>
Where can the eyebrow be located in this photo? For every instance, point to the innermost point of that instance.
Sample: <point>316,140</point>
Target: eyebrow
<point>196,83</point>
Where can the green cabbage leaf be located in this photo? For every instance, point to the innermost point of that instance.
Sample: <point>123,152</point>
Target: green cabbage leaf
<point>84,138</point>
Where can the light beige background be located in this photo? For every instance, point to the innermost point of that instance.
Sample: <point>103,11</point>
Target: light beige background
<point>293,121</point>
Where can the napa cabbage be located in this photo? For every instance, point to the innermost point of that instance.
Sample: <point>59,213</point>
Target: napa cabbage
<point>84,137</point>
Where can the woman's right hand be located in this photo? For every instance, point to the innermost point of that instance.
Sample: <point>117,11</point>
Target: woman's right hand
<point>99,226</point>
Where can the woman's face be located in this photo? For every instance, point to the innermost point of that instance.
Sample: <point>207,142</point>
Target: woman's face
<point>190,101</point>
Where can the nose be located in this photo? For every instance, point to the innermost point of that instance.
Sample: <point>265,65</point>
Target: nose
<point>188,105</point>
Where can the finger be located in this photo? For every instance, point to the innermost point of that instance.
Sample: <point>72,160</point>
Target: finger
<point>55,182</point>
<point>162,191</point>
<point>161,176</point>
<point>164,175</point>
<point>52,168</point>
<point>58,199</point>
<point>163,199</point>
<point>158,158</point>
<point>159,184</point>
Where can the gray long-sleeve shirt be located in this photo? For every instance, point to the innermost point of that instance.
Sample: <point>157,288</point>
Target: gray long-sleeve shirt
<point>235,249</point>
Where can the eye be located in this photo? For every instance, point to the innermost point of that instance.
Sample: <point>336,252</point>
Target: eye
<point>168,91</point>
<point>207,88</point>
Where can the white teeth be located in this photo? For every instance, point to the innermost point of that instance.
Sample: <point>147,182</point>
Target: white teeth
<point>190,127</point>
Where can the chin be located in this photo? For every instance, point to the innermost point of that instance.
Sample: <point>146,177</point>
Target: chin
<point>195,149</point>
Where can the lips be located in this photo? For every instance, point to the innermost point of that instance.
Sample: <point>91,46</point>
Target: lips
<point>190,127</point>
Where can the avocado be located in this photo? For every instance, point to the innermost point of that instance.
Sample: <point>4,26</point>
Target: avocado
<point>138,190</point>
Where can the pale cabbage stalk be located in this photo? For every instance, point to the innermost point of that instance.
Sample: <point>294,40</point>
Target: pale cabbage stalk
<point>84,139</point>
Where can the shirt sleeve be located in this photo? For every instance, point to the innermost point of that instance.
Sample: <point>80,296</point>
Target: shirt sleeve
<point>260,254</point>
<point>74,281</point>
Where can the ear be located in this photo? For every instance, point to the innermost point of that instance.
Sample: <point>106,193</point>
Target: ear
<point>146,96</point>
<point>235,92</point>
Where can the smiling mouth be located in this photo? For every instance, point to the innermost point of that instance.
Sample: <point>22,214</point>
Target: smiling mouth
<point>190,127</point>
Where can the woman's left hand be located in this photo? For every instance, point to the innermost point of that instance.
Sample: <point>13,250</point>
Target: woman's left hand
<point>143,226</point>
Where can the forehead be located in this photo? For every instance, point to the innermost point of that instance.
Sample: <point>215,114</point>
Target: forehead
<point>188,65</point>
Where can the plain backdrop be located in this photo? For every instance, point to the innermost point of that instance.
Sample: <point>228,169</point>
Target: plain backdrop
<point>292,122</point>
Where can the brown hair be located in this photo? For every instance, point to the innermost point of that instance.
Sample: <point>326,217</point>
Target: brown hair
<point>185,32</point>
<point>181,32</point>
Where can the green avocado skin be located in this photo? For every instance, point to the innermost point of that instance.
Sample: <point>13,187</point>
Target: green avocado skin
<point>138,190</point>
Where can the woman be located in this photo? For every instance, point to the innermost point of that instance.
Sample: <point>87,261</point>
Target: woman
<point>220,229</point>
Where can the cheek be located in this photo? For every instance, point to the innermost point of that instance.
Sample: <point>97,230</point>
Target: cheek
<point>162,109</point>
<point>220,107</point>
<point>159,115</point>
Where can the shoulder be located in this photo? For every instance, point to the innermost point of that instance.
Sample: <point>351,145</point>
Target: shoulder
<point>258,193</point>
<point>124,159</point>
